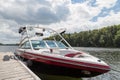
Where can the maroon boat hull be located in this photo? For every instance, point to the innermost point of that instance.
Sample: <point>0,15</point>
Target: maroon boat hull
<point>66,67</point>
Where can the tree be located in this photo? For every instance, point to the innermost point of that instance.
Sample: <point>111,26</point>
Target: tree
<point>1,44</point>
<point>105,37</point>
<point>117,39</point>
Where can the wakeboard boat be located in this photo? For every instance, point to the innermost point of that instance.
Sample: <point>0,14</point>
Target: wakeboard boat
<point>49,47</point>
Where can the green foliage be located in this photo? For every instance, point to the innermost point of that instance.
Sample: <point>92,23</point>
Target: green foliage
<point>1,44</point>
<point>117,39</point>
<point>105,37</point>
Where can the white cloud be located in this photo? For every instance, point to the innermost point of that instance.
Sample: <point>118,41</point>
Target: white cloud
<point>82,13</point>
<point>105,3</point>
<point>54,14</point>
<point>111,19</point>
<point>32,11</point>
<point>8,33</point>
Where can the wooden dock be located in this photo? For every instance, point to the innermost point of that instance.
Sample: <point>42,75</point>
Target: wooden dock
<point>14,69</point>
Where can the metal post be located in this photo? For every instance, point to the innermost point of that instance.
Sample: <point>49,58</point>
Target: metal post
<point>29,38</point>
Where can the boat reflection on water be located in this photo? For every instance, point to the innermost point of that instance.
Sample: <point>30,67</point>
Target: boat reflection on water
<point>46,72</point>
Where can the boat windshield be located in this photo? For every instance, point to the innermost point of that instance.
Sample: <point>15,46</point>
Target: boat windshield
<point>44,44</point>
<point>60,44</point>
<point>51,44</point>
<point>38,44</point>
<point>55,44</point>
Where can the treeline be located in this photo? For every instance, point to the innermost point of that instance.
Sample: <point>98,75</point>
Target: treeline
<point>105,37</point>
<point>1,44</point>
<point>8,44</point>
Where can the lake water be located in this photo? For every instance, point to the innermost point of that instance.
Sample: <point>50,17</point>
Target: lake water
<point>7,48</point>
<point>109,55</point>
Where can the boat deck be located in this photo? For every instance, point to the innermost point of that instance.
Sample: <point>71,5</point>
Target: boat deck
<point>13,69</point>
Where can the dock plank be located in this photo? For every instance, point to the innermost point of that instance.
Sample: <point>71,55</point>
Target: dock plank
<point>26,77</point>
<point>14,69</point>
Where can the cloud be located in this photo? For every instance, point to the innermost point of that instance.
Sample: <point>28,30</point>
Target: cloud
<point>83,13</point>
<point>32,11</point>
<point>111,19</point>
<point>19,12</point>
<point>105,3</point>
<point>8,33</point>
<point>74,15</point>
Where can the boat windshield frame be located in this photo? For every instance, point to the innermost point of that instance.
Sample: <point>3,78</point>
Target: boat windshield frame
<point>26,36</point>
<point>38,44</point>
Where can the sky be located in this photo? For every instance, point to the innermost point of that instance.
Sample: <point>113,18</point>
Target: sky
<point>74,15</point>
